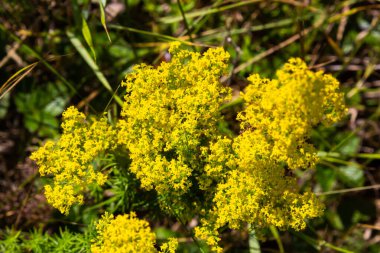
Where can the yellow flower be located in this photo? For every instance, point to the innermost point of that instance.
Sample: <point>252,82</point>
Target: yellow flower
<point>71,160</point>
<point>209,234</point>
<point>276,124</point>
<point>170,246</point>
<point>169,128</point>
<point>169,113</point>
<point>127,234</point>
<point>283,111</point>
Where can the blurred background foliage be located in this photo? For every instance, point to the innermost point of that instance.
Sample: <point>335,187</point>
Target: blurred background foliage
<point>76,52</point>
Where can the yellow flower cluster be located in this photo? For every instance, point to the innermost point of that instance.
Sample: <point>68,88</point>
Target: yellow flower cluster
<point>276,124</point>
<point>168,127</point>
<point>72,159</point>
<point>170,246</point>
<point>169,113</point>
<point>280,113</point>
<point>208,232</point>
<point>127,234</point>
<point>218,159</point>
<point>262,198</point>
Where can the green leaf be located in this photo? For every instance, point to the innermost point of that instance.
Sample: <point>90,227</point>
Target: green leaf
<point>163,233</point>
<point>224,128</point>
<point>40,106</point>
<point>103,18</point>
<point>56,106</point>
<point>326,177</point>
<point>351,175</point>
<point>276,235</point>
<point>334,220</point>
<point>351,146</point>
<point>254,245</point>
<point>87,36</point>
<point>44,123</point>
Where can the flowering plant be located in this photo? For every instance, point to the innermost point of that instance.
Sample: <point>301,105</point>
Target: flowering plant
<point>168,131</point>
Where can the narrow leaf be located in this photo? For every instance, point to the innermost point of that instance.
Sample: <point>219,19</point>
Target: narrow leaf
<point>86,56</point>
<point>87,36</point>
<point>254,245</point>
<point>276,236</point>
<point>103,19</point>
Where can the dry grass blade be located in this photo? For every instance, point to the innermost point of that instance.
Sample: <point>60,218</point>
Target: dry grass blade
<point>369,226</point>
<point>217,9</point>
<point>34,53</point>
<point>221,32</point>
<point>88,99</point>
<point>334,45</point>
<point>206,11</point>
<point>283,44</point>
<point>272,50</point>
<point>16,78</point>
<point>353,11</point>
<point>11,54</point>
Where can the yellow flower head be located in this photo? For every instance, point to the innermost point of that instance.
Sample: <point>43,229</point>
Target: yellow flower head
<point>123,234</point>
<point>276,125</point>
<point>127,234</point>
<point>169,113</point>
<point>280,113</point>
<point>71,159</point>
<point>169,128</point>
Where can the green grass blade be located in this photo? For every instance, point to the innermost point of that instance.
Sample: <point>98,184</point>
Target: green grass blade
<point>335,156</point>
<point>103,19</point>
<point>221,32</point>
<point>254,245</point>
<point>87,36</point>
<point>235,102</point>
<point>185,20</point>
<point>91,63</point>
<point>159,36</point>
<point>276,236</point>
<point>320,244</point>
<point>368,156</point>
<point>356,189</point>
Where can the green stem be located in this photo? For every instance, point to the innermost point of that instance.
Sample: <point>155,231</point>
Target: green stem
<point>276,236</point>
<point>184,225</point>
<point>363,188</point>
<point>185,22</point>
